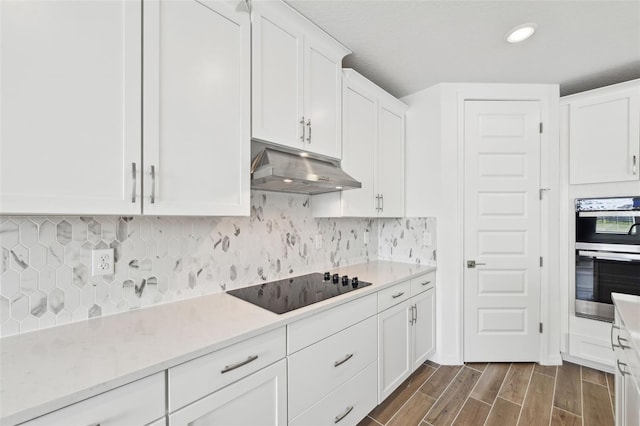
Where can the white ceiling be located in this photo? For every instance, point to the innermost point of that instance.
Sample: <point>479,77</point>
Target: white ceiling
<point>406,46</point>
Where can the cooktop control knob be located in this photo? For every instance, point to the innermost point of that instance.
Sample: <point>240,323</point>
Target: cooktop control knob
<point>327,276</point>
<point>354,282</point>
<point>336,278</point>
<point>345,280</point>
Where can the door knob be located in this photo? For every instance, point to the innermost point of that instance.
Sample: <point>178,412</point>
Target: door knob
<point>473,264</point>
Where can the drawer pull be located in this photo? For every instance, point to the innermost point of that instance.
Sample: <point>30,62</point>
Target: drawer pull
<point>613,345</point>
<point>395,296</point>
<point>343,415</point>
<point>342,361</point>
<point>426,283</point>
<point>624,373</point>
<point>622,345</point>
<point>231,367</point>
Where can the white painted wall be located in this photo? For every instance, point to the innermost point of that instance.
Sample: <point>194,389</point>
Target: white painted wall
<point>434,147</point>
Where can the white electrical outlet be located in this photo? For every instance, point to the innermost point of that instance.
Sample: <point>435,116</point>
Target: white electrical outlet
<point>102,262</point>
<point>426,238</point>
<point>318,242</point>
<point>366,237</point>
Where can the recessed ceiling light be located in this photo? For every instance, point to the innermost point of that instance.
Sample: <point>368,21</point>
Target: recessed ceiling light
<point>338,187</point>
<point>521,33</point>
<point>287,180</point>
<point>304,154</point>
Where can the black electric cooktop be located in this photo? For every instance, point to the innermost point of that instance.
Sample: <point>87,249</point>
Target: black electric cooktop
<point>293,293</point>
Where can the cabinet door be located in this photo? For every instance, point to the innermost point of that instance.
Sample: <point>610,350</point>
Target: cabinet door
<point>423,327</point>
<point>604,137</point>
<point>322,100</point>
<point>277,61</point>
<point>196,108</point>
<point>390,171</point>
<point>394,348</point>
<point>631,402</point>
<point>358,149</point>
<point>259,399</point>
<point>70,107</point>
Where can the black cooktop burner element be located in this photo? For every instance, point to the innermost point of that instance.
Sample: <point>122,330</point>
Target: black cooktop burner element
<point>293,293</point>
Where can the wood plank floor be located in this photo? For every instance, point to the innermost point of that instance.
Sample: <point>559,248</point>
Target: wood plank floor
<point>500,394</point>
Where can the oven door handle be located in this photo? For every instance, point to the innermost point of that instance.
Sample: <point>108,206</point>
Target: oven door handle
<point>625,257</point>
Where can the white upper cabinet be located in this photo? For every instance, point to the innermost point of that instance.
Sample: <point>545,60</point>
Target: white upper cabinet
<point>73,115</point>
<point>70,133</point>
<point>604,134</point>
<point>196,108</point>
<point>390,164</point>
<point>297,78</point>
<point>372,152</point>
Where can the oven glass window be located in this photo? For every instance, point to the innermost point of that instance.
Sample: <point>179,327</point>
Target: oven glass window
<point>614,224</point>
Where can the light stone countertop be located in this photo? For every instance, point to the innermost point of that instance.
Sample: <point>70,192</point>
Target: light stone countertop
<point>46,370</point>
<point>628,307</point>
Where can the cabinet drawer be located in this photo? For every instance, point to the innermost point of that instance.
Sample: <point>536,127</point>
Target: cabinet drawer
<point>313,329</point>
<point>346,405</point>
<point>201,376</point>
<point>317,370</point>
<point>137,403</point>
<point>423,283</point>
<point>394,295</point>
<point>259,399</point>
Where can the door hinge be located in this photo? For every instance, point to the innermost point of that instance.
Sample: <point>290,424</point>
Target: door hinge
<point>541,192</point>
<point>541,127</point>
<point>541,261</point>
<point>540,327</point>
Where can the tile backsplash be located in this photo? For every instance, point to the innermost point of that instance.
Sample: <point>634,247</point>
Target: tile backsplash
<point>45,262</point>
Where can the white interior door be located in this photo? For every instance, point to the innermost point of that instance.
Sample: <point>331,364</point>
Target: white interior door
<point>502,231</point>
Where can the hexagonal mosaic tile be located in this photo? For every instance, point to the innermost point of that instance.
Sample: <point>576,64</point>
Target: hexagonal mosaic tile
<point>45,262</point>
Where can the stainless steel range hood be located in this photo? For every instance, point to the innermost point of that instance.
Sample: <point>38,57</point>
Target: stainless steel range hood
<point>273,170</point>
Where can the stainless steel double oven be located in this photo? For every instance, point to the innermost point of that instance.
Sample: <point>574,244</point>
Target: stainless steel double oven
<point>607,253</point>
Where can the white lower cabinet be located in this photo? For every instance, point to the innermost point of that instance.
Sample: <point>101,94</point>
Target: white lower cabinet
<point>423,327</point>
<point>259,399</point>
<point>137,403</point>
<point>394,348</point>
<point>627,374</point>
<point>346,405</point>
<point>321,368</point>
<point>406,331</point>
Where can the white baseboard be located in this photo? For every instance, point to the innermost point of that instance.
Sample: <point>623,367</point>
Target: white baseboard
<point>588,363</point>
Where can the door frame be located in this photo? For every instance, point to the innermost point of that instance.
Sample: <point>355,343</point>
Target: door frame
<point>548,97</point>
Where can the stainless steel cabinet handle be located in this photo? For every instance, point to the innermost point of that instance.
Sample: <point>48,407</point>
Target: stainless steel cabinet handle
<point>232,367</point>
<point>343,415</point>
<point>635,162</point>
<point>395,296</point>
<point>135,182</point>
<point>153,184</point>
<point>624,373</point>
<point>426,283</point>
<point>381,202</point>
<point>613,345</point>
<point>416,310</point>
<point>309,127</point>
<point>622,345</point>
<point>302,124</point>
<point>343,360</point>
<point>377,202</point>
<point>473,263</point>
